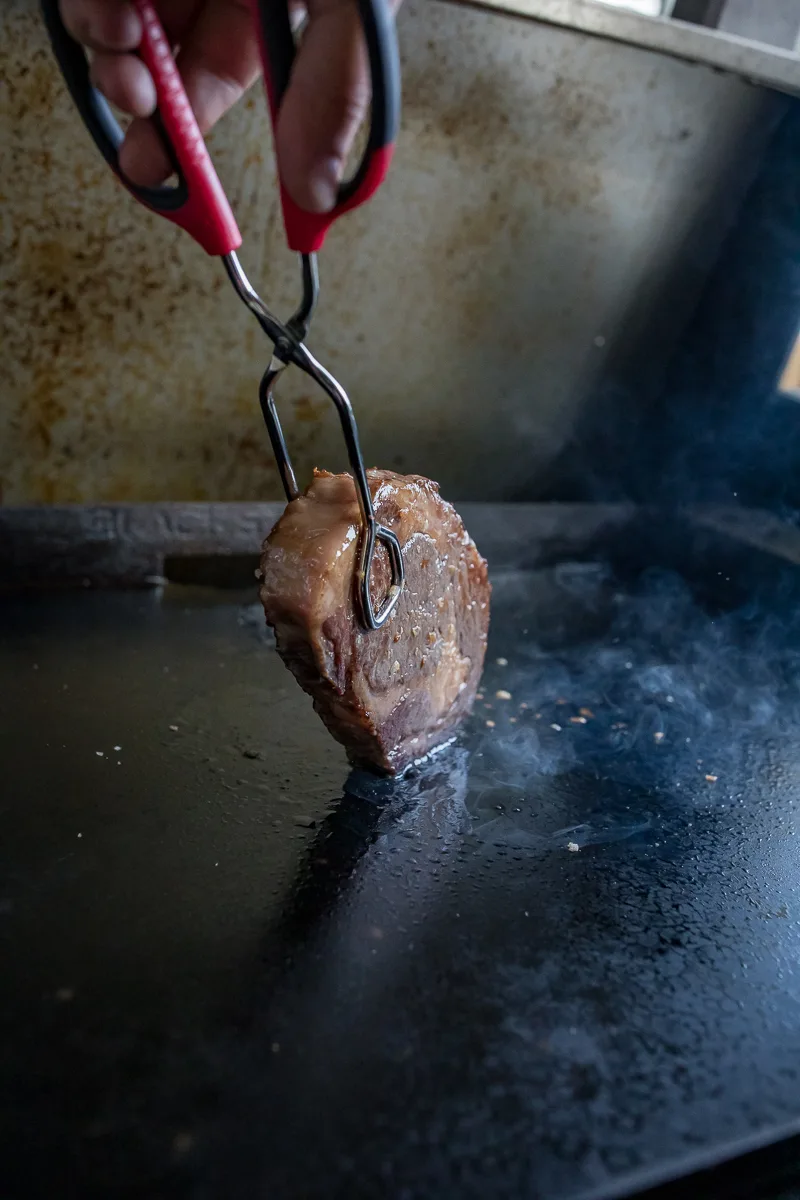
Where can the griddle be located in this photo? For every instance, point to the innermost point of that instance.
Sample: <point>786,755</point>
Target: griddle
<point>558,960</point>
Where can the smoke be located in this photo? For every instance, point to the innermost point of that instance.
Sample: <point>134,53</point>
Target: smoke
<point>605,685</point>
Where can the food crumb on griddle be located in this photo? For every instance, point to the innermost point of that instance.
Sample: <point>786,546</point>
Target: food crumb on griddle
<point>573,846</point>
<point>182,1143</point>
<point>502,694</point>
<point>556,727</point>
<point>490,724</point>
<point>658,737</point>
<point>578,720</point>
<point>711,778</point>
<point>586,712</point>
<point>502,662</point>
<point>174,728</point>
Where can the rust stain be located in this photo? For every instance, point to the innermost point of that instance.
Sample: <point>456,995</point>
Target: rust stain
<point>492,110</point>
<point>309,411</point>
<point>254,158</point>
<point>31,91</point>
<point>481,112</point>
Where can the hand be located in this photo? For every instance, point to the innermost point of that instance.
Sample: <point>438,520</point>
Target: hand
<point>218,58</point>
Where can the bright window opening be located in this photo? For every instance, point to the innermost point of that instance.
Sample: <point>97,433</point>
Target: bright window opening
<point>650,8</point>
<point>790,379</point>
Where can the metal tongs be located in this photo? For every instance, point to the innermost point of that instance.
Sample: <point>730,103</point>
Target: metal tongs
<point>199,205</point>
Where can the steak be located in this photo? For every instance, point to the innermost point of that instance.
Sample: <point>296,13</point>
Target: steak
<point>390,695</point>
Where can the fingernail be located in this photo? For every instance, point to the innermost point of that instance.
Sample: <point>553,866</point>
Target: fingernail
<point>323,185</point>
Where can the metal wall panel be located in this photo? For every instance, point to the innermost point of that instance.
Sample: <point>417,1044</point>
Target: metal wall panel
<point>546,181</point>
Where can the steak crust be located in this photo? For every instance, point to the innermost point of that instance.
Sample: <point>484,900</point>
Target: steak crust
<point>391,695</point>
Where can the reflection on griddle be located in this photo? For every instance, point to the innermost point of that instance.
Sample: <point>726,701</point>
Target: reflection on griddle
<point>427,803</point>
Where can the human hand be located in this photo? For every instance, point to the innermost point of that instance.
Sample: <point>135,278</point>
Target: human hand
<point>218,58</point>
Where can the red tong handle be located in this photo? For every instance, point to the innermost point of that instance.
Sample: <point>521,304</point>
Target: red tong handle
<point>305,231</point>
<point>198,203</point>
<point>206,213</point>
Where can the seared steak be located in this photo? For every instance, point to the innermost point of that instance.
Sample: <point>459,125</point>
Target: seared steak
<point>393,694</point>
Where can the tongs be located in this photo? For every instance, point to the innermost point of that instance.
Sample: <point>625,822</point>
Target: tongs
<point>198,204</point>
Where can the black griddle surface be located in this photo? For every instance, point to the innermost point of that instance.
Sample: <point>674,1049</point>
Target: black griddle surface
<point>556,961</point>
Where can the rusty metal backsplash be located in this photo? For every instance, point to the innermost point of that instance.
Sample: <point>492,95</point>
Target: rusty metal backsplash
<point>545,183</point>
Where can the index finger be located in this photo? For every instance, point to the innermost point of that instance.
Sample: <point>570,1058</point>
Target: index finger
<point>110,25</point>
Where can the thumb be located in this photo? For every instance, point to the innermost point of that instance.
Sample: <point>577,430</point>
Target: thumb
<point>325,102</point>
